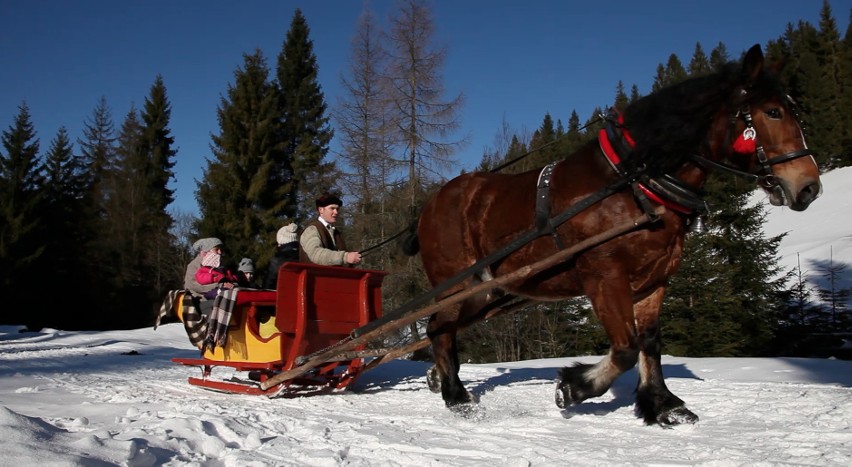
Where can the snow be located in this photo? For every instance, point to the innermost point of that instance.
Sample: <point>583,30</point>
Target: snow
<point>115,398</point>
<point>821,235</point>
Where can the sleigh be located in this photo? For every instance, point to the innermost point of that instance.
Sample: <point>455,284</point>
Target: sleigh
<point>312,308</point>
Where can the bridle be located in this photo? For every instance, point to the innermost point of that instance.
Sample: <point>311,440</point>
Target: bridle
<point>762,176</point>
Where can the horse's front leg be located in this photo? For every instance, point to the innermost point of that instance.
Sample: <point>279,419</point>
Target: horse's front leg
<point>654,401</point>
<point>444,375</point>
<point>613,305</point>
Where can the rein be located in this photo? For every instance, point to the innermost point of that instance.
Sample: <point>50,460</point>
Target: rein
<point>503,252</point>
<point>500,167</point>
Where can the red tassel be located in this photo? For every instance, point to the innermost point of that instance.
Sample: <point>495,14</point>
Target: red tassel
<point>745,144</point>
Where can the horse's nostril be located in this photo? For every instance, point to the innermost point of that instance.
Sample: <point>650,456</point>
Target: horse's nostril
<point>806,196</point>
<point>810,193</point>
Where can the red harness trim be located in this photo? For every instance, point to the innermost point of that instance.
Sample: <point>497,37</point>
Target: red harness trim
<point>614,159</point>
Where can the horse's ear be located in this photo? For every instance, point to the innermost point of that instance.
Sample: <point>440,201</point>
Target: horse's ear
<point>752,64</point>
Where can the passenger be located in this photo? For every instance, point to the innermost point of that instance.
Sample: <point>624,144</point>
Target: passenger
<point>245,274</point>
<point>205,292</point>
<point>212,272</point>
<point>321,242</point>
<point>287,250</point>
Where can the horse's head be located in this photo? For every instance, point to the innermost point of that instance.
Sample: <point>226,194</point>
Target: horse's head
<point>759,133</point>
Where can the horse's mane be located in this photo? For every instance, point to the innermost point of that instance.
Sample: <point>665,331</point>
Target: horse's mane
<point>671,124</point>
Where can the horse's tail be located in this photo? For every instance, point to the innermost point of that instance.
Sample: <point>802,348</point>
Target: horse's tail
<point>411,244</point>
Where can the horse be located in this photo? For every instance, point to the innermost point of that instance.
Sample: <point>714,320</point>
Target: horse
<point>653,158</point>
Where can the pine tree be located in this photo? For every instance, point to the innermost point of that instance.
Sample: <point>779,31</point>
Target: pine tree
<point>719,57</point>
<point>542,146</point>
<point>240,197</point>
<point>21,208</point>
<point>827,123</point>
<point>672,73</point>
<point>696,312</point>
<point>127,213</point>
<point>97,147</point>
<point>575,136</point>
<point>845,58</point>
<point>98,157</point>
<point>157,147</point>
<point>65,232</point>
<point>634,94</point>
<point>806,83</point>
<point>306,127</point>
<point>699,65</point>
<point>727,298</point>
<point>621,99</point>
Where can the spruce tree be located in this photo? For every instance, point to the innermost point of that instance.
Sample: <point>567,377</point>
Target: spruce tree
<point>696,314</point>
<point>621,99</point>
<point>671,74</point>
<point>98,157</point>
<point>240,197</point>
<point>807,84</point>
<point>719,56</point>
<point>97,148</point>
<point>845,52</point>
<point>542,146</point>
<point>825,96</point>
<point>22,240</point>
<point>128,225</point>
<point>306,127</point>
<point>65,230</point>
<point>727,299</point>
<point>157,146</point>
<point>699,65</point>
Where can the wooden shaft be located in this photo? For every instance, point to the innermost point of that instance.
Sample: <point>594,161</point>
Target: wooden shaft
<point>347,345</point>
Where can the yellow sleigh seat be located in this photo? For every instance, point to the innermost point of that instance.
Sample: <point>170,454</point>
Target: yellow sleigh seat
<point>252,335</point>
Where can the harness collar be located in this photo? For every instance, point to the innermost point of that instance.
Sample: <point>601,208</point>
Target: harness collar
<point>617,144</point>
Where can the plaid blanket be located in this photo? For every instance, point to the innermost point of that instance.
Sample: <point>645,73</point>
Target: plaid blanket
<point>217,325</point>
<point>194,322</point>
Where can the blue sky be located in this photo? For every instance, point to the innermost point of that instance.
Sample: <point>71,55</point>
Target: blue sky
<point>513,61</point>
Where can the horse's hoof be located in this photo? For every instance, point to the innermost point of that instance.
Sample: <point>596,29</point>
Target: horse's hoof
<point>677,416</point>
<point>565,397</point>
<point>467,410</point>
<point>560,396</point>
<point>433,379</point>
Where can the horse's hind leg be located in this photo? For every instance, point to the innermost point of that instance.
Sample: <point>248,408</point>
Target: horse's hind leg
<point>654,402</point>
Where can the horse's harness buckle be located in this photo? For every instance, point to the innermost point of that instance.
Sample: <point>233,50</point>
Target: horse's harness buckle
<point>542,205</point>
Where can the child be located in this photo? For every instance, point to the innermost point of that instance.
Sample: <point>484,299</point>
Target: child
<point>211,272</point>
<point>245,273</point>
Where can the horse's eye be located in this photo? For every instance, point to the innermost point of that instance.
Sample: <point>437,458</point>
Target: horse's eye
<point>774,113</point>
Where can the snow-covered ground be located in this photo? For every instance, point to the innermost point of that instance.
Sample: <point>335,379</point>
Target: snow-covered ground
<point>820,236</point>
<point>115,398</point>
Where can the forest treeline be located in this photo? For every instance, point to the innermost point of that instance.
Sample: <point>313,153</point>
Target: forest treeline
<point>85,223</point>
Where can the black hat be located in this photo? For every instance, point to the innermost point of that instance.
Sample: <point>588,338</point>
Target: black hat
<point>327,199</point>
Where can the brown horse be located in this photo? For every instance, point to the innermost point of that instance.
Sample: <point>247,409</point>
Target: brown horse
<point>658,152</point>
